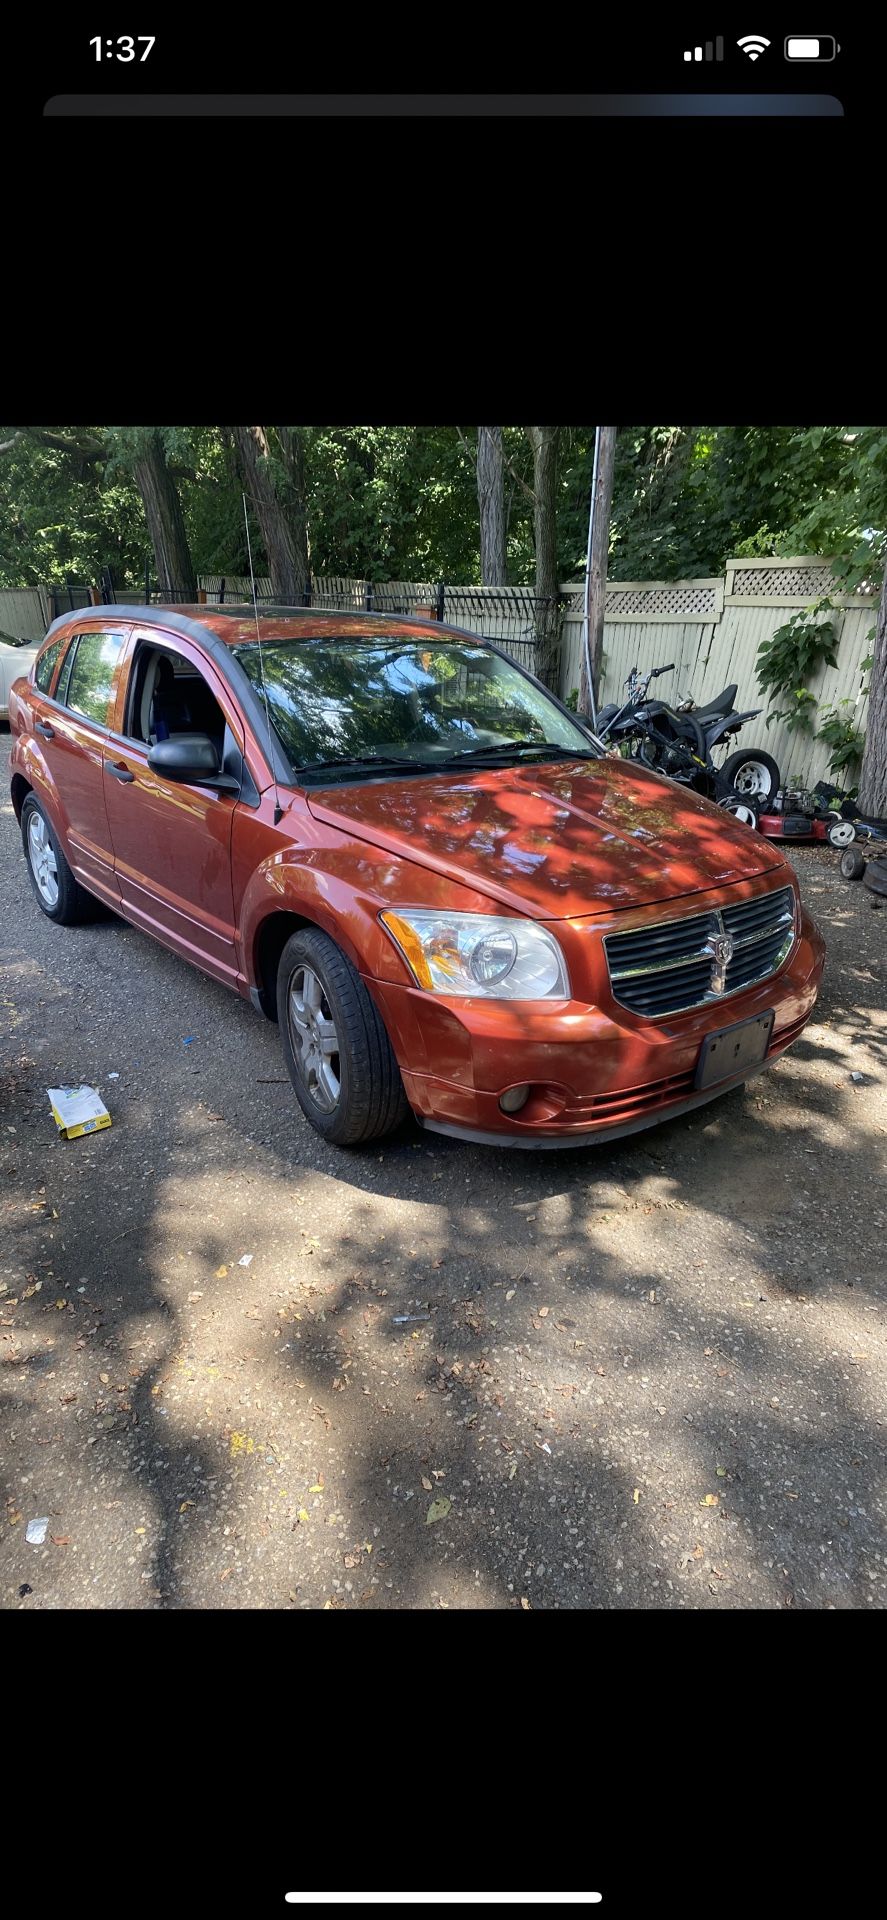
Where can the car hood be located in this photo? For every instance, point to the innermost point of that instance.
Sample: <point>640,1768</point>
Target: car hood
<point>555,841</point>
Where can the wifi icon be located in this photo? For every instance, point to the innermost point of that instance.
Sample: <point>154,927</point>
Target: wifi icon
<point>753,44</point>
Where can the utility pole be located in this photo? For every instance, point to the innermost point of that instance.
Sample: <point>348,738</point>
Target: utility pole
<point>596,569</point>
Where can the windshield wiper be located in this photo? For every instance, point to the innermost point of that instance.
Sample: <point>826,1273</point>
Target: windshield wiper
<point>383,761</point>
<point>549,749</point>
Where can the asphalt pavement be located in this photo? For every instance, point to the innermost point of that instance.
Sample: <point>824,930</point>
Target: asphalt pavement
<point>242,1369</point>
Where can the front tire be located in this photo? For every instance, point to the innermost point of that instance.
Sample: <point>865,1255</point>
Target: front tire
<point>754,775</point>
<point>59,895</point>
<point>338,1054</point>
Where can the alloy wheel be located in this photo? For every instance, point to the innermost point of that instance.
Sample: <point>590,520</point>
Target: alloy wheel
<point>42,859</point>
<point>315,1040</point>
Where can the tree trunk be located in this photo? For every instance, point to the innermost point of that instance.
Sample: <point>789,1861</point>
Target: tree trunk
<point>873,777</point>
<point>491,501</point>
<point>596,582</point>
<point>544,442</point>
<point>166,524</point>
<point>276,491</point>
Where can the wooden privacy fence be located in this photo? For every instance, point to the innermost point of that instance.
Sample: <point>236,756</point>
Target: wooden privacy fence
<point>712,630</point>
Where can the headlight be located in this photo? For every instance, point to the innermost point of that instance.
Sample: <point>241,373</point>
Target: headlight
<point>479,954</point>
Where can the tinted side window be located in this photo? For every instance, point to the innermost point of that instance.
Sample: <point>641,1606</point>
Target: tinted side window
<point>45,666</point>
<point>91,678</point>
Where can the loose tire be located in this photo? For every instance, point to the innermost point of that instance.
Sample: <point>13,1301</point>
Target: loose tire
<point>338,1054</point>
<point>745,811</point>
<point>755,775</point>
<point>59,895</point>
<point>853,863</point>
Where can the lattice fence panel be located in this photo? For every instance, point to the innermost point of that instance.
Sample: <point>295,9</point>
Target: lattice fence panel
<point>648,603</point>
<point>801,583</point>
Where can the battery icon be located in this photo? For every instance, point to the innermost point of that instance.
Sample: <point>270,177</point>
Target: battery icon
<point>811,46</point>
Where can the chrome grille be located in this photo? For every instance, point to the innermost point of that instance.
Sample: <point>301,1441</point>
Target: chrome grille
<point>690,962</point>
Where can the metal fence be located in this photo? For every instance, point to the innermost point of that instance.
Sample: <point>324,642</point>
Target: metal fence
<point>526,625</point>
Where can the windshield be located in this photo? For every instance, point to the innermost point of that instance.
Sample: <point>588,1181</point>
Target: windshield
<point>408,701</point>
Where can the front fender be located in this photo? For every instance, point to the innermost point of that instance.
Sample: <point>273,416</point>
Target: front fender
<point>341,885</point>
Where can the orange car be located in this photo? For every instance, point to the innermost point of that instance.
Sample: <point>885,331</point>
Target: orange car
<point>398,844</point>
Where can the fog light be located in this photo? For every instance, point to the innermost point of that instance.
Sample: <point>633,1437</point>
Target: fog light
<point>514,1099</point>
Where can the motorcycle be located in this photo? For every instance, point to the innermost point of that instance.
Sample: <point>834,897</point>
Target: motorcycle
<point>680,741</point>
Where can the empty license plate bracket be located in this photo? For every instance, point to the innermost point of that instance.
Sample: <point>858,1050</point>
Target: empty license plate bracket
<point>734,1050</point>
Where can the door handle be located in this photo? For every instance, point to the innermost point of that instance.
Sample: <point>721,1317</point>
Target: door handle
<point>120,773</point>
<point>43,727</point>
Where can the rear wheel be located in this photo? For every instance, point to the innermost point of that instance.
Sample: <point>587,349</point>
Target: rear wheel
<point>841,833</point>
<point>58,893</point>
<point>338,1053</point>
<point>754,775</point>
<point>853,863</point>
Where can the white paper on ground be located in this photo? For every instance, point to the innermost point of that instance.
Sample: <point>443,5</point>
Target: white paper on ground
<point>76,1105</point>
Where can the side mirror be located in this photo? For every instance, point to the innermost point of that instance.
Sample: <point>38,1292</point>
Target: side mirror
<point>194,761</point>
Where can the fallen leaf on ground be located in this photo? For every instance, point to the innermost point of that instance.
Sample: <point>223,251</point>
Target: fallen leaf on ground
<point>710,1500</point>
<point>438,1510</point>
<point>60,1539</point>
<point>525,1604</point>
<point>221,1273</point>
<point>427,1484</point>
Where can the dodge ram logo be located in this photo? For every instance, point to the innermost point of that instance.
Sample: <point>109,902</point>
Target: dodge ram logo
<point>720,946</point>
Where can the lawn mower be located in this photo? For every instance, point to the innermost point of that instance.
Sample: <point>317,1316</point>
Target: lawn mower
<point>796,813</point>
<point>861,840</point>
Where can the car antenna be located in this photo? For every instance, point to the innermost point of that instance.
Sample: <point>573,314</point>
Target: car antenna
<point>278,810</point>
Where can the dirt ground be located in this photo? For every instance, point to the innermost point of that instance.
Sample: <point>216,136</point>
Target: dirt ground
<point>240,1369</point>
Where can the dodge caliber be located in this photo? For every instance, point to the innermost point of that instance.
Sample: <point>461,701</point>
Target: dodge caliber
<point>399,845</point>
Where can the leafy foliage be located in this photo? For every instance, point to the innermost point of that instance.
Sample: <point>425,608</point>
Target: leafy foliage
<point>400,502</point>
<point>840,732</point>
<point>795,651</point>
<point>799,716</point>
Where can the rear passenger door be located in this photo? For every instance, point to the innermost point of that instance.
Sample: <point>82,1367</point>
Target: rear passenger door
<point>72,728</point>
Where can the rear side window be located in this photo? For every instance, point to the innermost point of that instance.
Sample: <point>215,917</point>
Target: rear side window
<point>91,678</point>
<point>45,666</point>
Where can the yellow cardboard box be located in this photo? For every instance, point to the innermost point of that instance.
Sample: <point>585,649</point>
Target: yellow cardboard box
<point>77,1110</point>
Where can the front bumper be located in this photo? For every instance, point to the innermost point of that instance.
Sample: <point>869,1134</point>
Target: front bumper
<point>595,1072</point>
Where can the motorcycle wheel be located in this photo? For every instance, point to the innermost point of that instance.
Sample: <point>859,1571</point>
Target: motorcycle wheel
<point>753,774</point>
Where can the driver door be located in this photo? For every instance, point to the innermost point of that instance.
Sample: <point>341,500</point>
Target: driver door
<point>171,840</point>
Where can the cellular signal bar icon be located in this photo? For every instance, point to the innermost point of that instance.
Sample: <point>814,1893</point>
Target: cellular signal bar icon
<point>715,52</point>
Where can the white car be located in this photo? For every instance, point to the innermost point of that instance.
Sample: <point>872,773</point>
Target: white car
<point>14,661</point>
